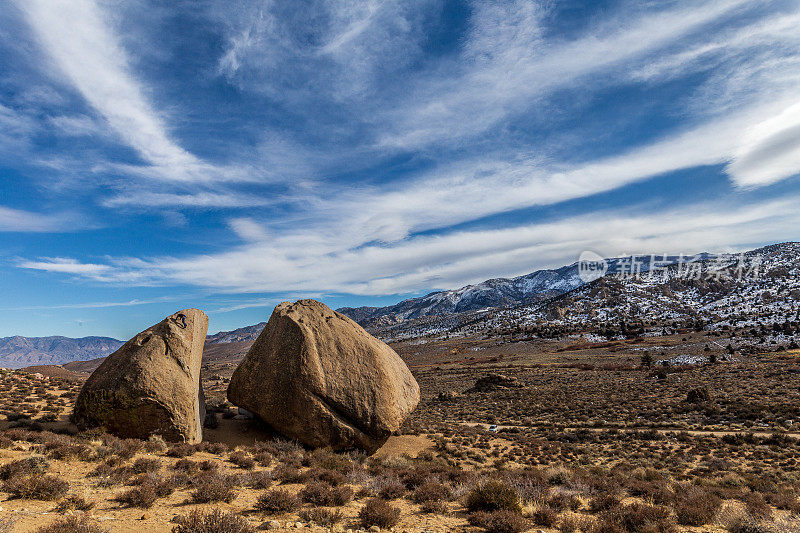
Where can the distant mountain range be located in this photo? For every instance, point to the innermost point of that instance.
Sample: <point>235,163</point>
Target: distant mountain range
<point>499,292</point>
<point>759,289</point>
<point>18,352</point>
<point>544,295</point>
<point>247,333</point>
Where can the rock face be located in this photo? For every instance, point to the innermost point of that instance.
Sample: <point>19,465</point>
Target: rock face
<point>493,382</point>
<point>151,385</point>
<point>317,377</point>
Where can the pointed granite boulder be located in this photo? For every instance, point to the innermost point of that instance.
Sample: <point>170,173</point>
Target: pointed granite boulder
<point>151,385</point>
<point>317,377</point>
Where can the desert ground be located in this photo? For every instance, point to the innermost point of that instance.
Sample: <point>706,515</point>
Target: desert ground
<point>654,434</point>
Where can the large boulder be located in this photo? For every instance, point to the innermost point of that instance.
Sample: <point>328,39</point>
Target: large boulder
<point>151,385</point>
<point>317,377</point>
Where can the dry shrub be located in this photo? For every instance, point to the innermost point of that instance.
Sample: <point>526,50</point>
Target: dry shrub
<point>36,487</point>
<point>316,493</point>
<point>434,507</point>
<point>74,502</point>
<point>156,444</point>
<point>319,493</point>
<point>378,512</point>
<point>143,496</point>
<point>327,459</point>
<point>493,496</point>
<point>263,458</point>
<point>322,517</point>
<point>331,477</point>
<point>123,448</point>
<point>503,521</point>
<point>544,515</point>
<point>341,496</point>
<point>575,523</point>
<point>757,505</point>
<point>259,480</point>
<point>277,501</point>
<point>214,521</point>
<point>24,467</point>
<point>604,502</point>
<point>181,450</point>
<point>286,473</point>
<point>390,488</point>
<point>564,500</point>
<point>150,488</point>
<point>193,467</point>
<point>637,517</point>
<point>213,487</point>
<point>242,459</point>
<point>430,491</point>
<point>146,464</point>
<point>784,501</point>
<point>697,508</point>
<point>73,524</point>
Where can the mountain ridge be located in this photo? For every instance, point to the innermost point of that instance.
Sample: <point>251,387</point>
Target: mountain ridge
<point>543,289</point>
<point>537,286</point>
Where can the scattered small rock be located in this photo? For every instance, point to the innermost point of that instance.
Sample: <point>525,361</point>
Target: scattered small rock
<point>447,396</point>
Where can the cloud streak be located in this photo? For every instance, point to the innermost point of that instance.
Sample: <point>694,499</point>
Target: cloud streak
<point>77,37</point>
<point>301,263</point>
<point>16,220</point>
<point>352,152</point>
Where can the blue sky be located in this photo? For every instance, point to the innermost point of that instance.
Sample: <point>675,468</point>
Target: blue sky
<point>230,155</point>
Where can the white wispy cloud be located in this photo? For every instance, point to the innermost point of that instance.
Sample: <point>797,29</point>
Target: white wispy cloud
<point>301,262</point>
<point>65,265</point>
<point>95,305</point>
<point>16,220</point>
<point>770,150</point>
<point>77,37</point>
<point>509,67</point>
<point>332,234</point>
<point>146,199</point>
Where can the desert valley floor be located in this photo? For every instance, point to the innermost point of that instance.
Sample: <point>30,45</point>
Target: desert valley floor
<point>645,434</point>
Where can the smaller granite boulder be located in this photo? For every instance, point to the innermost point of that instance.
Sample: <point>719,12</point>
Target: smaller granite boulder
<point>151,385</point>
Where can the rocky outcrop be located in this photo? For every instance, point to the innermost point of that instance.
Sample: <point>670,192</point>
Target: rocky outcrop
<point>493,382</point>
<point>151,385</point>
<point>317,377</point>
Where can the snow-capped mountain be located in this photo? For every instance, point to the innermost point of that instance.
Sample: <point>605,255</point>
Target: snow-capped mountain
<point>758,289</point>
<point>247,333</point>
<point>498,292</point>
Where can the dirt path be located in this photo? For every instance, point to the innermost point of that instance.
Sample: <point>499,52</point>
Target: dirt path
<point>697,432</point>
